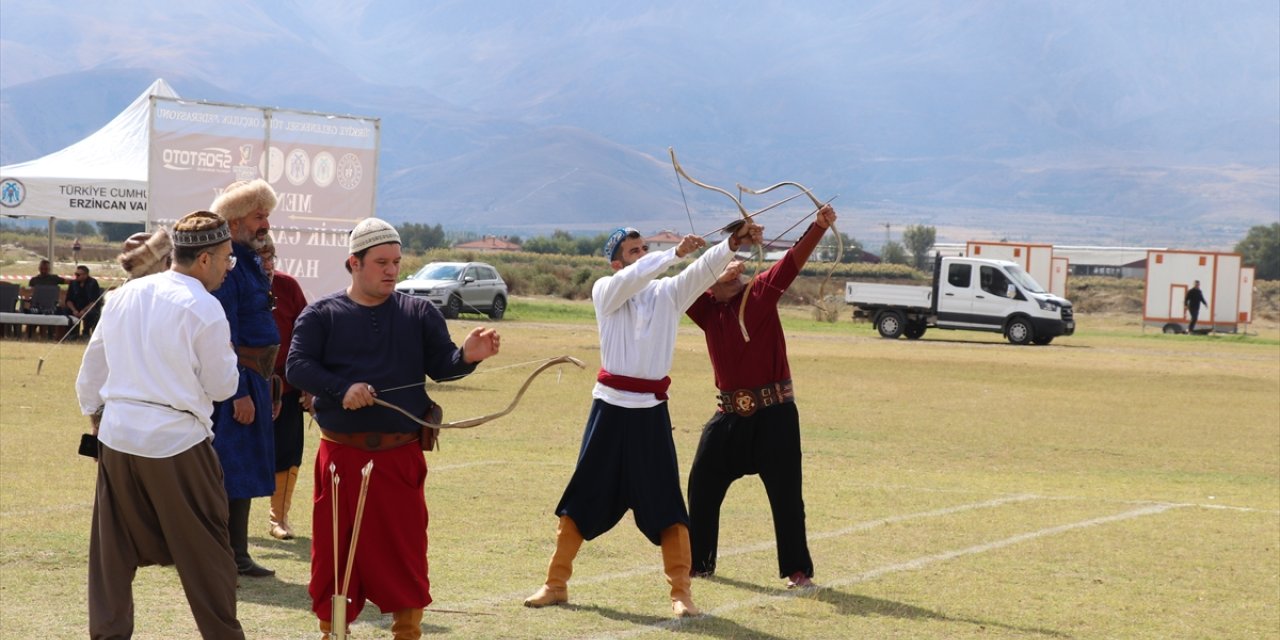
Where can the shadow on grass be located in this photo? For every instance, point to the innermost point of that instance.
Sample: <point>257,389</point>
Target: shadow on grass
<point>721,627</point>
<point>852,604</point>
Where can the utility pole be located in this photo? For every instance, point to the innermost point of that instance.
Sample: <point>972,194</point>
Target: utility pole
<point>886,233</point>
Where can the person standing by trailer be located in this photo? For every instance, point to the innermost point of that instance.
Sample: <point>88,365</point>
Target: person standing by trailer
<point>1192,303</point>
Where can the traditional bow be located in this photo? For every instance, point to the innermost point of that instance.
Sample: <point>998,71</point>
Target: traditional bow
<point>746,217</point>
<point>822,298</point>
<point>475,422</point>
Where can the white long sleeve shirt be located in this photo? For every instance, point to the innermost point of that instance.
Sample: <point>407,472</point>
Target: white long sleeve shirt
<point>638,316</point>
<point>160,357</point>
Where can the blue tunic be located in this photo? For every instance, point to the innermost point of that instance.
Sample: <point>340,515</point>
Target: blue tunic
<point>247,451</point>
<point>337,343</point>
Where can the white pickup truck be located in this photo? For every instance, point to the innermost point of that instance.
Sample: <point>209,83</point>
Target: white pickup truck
<point>967,293</point>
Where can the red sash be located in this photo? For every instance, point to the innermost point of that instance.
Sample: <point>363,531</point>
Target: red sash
<point>636,385</point>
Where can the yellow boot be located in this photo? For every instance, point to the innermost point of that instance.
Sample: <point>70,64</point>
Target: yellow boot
<point>276,517</point>
<point>556,589</point>
<point>288,503</point>
<point>406,624</point>
<point>677,560</point>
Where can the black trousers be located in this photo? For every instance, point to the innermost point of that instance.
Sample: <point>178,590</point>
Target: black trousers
<point>766,444</point>
<point>627,461</point>
<point>289,431</point>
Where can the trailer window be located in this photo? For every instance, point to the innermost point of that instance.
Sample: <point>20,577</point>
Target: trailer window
<point>958,275</point>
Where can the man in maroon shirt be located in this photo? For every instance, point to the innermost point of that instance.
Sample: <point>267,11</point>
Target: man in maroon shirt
<point>756,429</point>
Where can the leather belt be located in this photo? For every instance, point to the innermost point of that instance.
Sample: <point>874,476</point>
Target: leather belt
<point>260,359</point>
<point>745,402</point>
<point>370,440</point>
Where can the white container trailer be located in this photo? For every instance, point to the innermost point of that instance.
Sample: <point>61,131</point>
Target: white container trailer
<point>1171,273</point>
<point>1036,259</point>
<point>1246,294</point>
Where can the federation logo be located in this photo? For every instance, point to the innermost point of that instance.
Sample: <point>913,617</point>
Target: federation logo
<point>12,192</point>
<point>350,171</point>
<point>271,164</point>
<point>323,169</point>
<point>297,167</point>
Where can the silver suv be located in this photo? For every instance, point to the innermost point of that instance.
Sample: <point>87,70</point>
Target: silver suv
<point>459,287</point>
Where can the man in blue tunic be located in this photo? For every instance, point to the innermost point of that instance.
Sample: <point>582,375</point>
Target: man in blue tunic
<point>244,434</point>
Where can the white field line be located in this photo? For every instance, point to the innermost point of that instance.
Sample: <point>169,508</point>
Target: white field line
<point>909,565</point>
<point>754,548</point>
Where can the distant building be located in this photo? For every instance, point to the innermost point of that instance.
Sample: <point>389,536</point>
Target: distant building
<point>488,243</point>
<point>663,240</point>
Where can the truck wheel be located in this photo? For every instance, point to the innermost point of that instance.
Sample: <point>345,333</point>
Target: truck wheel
<point>890,324</point>
<point>1042,340</point>
<point>1019,331</point>
<point>914,330</point>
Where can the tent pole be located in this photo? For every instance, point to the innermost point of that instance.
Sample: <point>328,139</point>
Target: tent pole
<point>52,226</point>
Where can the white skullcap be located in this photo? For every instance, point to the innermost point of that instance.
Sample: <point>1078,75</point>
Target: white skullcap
<point>371,232</point>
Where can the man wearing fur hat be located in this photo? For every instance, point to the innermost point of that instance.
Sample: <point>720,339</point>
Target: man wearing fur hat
<point>349,348</point>
<point>243,425</point>
<point>145,253</point>
<point>158,360</point>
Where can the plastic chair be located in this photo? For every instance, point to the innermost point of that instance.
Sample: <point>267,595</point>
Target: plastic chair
<point>44,299</point>
<point>8,297</point>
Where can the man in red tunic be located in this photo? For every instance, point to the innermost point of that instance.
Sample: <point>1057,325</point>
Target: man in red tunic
<point>756,429</point>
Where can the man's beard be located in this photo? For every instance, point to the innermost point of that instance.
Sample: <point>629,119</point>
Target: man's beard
<point>251,240</point>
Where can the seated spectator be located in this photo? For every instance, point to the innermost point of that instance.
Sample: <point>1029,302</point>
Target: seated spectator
<point>45,277</point>
<point>83,302</point>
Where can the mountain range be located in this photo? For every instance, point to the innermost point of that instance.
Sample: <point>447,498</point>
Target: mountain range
<point>1147,122</point>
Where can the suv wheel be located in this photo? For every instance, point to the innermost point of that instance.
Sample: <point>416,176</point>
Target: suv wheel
<point>453,307</point>
<point>498,308</point>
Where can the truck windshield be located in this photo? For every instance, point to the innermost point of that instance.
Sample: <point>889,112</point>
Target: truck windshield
<point>1024,279</point>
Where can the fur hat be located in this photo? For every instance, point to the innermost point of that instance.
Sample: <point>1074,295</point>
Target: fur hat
<point>241,198</point>
<point>371,232</point>
<point>146,253</point>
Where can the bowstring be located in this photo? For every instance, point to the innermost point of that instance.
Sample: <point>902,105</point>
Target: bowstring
<point>464,375</point>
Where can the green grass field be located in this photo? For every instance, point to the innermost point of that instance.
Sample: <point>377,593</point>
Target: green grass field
<point>1116,484</point>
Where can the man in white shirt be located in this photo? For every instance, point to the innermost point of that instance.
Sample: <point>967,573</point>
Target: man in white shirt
<point>159,359</point>
<point>627,459</point>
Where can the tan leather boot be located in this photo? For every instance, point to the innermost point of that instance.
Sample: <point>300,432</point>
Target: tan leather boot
<point>406,624</point>
<point>677,560</point>
<point>556,589</point>
<point>276,515</point>
<point>288,503</point>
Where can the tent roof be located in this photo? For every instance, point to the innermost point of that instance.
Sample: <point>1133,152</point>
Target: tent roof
<point>117,151</point>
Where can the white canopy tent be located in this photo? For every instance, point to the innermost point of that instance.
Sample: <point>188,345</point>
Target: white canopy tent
<point>101,178</point>
<point>165,154</point>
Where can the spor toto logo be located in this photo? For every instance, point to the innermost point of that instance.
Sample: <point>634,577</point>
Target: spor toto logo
<point>297,167</point>
<point>349,171</point>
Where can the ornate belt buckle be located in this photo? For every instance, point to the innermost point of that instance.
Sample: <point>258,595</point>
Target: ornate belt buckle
<point>744,403</point>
